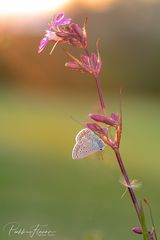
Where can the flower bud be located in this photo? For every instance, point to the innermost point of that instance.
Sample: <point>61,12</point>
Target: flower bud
<point>137,230</point>
<point>73,65</point>
<point>74,35</point>
<point>85,64</point>
<point>96,128</point>
<point>104,119</point>
<point>115,117</point>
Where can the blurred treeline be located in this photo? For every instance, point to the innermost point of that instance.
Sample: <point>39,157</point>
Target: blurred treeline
<point>129,46</point>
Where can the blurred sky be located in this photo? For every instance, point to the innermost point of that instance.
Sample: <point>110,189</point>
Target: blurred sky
<point>14,12</point>
<point>35,7</point>
<point>20,9</point>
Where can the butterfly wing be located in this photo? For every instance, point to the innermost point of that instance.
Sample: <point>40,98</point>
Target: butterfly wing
<point>82,135</point>
<point>87,143</point>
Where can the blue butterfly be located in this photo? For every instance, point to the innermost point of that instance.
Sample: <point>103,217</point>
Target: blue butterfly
<point>87,143</point>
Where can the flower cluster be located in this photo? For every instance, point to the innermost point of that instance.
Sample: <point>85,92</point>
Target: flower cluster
<point>62,30</point>
<point>87,64</point>
<point>103,132</point>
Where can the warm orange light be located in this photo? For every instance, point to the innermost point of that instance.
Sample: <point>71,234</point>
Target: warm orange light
<point>15,7</point>
<point>98,4</point>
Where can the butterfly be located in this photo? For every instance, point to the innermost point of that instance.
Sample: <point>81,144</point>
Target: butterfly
<point>87,143</point>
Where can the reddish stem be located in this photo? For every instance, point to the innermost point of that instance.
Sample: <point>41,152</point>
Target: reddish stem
<point>99,88</point>
<point>100,94</point>
<point>86,51</point>
<point>130,189</point>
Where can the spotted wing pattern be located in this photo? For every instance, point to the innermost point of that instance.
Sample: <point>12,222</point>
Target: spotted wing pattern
<point>87,143</point>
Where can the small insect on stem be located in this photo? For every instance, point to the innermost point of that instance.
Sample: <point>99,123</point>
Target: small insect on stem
<point>87,143</point>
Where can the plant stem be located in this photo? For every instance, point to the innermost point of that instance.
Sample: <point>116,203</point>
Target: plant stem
<point>130,189</point>
<point>132,194</point>
<point>100,94</point>
<point>120,161</point>
<point>86,51</point>
<point>99,88</point>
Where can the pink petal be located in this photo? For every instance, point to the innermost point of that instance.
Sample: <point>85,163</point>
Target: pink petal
<point>85,59</point>
<point>59,17</point>
<point>65,21</point>
<point>42,44</point>
<point>93,60</point>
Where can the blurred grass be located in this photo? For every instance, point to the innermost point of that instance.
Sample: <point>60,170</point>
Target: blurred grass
<point>40,183</point>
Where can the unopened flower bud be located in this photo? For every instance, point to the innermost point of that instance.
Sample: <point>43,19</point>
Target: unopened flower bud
<point>104,119</point>
<point>73,65</point>
<point>137,230</point>
<point>96,128</point>
<point>115,117</point>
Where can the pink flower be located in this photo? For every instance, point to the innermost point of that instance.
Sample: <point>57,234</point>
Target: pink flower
<point>61,30</point>
<point>51,34</point>
<point>58,21</point>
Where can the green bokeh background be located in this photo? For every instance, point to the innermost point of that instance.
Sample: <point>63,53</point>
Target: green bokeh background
<point>43,106</point>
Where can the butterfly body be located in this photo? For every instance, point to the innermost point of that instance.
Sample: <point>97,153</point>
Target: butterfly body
<point>87,143</point>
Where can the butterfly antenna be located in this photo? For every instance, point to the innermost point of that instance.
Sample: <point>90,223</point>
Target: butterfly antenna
<point>79,122</point>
